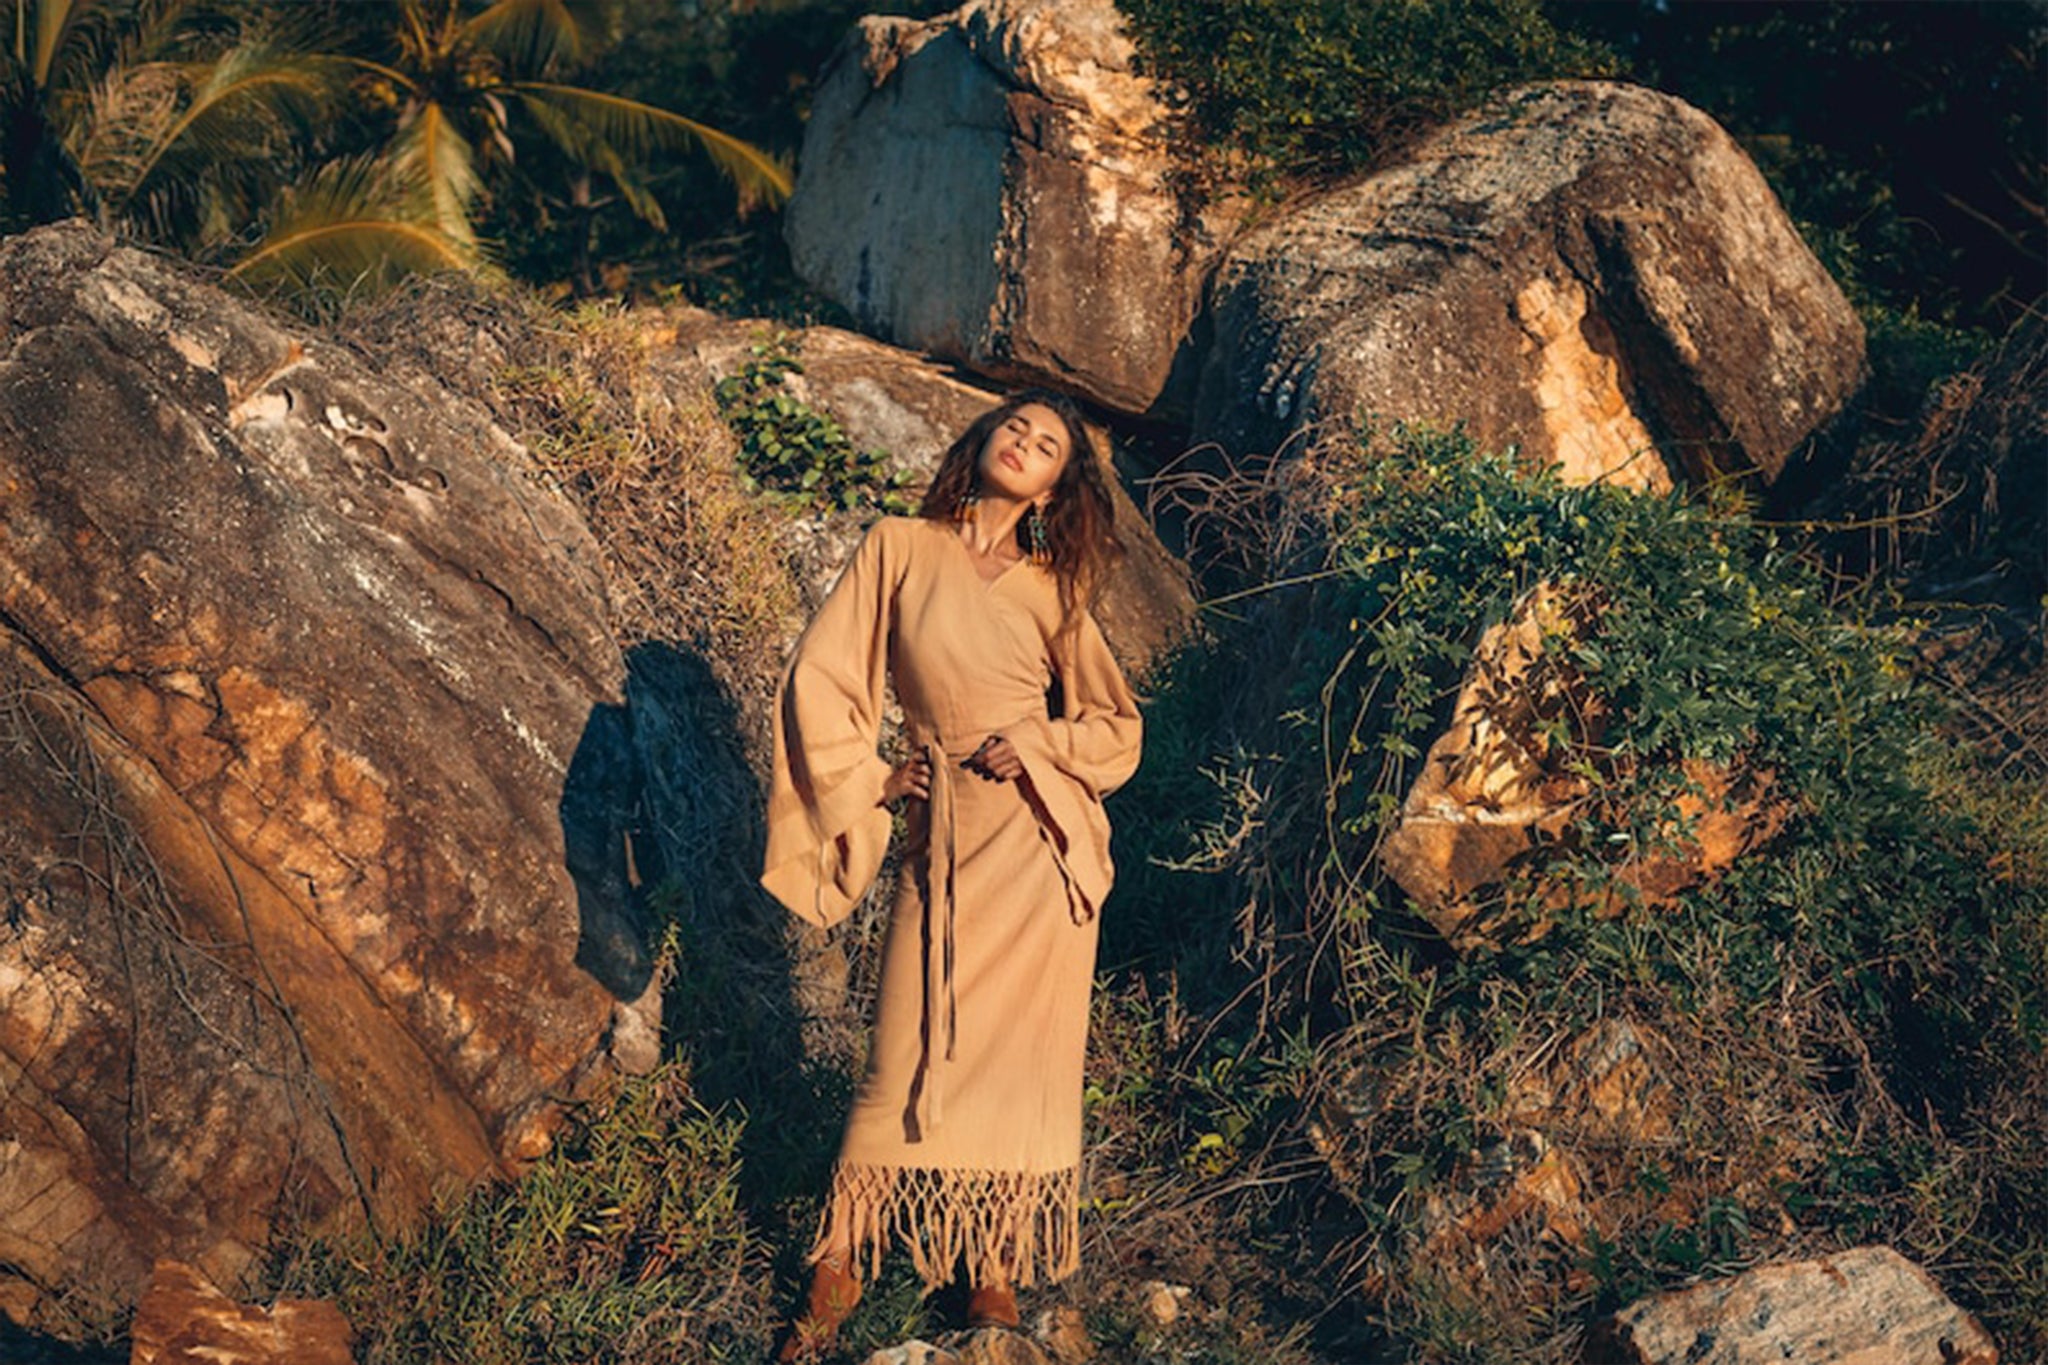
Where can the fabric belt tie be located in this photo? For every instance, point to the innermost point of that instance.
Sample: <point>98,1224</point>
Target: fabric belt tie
<point>940,1030</point>
<point>940,916</point>
<point>1078,908</point>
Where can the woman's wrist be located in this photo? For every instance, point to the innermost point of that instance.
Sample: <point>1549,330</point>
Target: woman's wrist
<point>912,777</point>
<point>996,759</point>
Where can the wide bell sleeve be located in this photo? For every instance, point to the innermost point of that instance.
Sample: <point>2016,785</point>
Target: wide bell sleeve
<point>1073,760</point>
<point>827,828</point>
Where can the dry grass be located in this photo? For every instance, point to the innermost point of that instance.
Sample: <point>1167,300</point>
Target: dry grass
<point>689,555</point>
<point>1953,519</point>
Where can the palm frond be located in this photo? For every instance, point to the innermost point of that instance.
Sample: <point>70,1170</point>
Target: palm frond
<point>434,152</point>
<point>581,146</point>
<point>59,51</point>
<point>531,36</point>
<point>160,30</point>
<point>50,43</point>
<point>398,77</point>
<point>72,41</point>
<point>232,141</point>
<point>54,22</point>
<point>247,93</point>
<point>632,129</point>
<point>414,34</point>
<point>114,129</point>
<point>354,223</point>
<point>635,191</point>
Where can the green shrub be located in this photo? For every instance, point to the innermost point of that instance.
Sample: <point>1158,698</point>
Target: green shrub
<point>790,447</point>
<point>1710,637</point>
<point>1326,86</point>
<point>1851,1024</point>
<point>626,1243</point>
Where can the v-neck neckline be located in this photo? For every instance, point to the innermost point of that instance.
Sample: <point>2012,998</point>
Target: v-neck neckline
<point>987,584</point>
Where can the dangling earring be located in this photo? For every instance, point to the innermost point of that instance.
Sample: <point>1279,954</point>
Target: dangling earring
<point>1035,534</point>
<point>969,506</point>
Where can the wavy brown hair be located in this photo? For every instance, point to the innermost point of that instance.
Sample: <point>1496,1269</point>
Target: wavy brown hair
<point>1080,518</point>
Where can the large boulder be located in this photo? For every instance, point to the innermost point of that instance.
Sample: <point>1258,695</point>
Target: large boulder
<point>992,186</point>
<point>296,667</point>
<point>1593,272</point>
<point>892,400</point>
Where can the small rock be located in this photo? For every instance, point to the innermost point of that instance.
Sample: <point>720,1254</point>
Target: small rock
<point>1609,1082</point>
<point>1520,1178</point>
<point>1064,1333</point>
<point>1869,1306</point>
<point>1163,1302</point>
<point>185,1320</point>
<point>913,1352</point>
<point>996,1346</point>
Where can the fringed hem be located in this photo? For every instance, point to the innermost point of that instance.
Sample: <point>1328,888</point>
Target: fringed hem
<point>1006,1225</point>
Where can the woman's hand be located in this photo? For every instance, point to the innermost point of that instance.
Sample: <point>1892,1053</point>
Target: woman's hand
<point>912,777</point>
<point>996,760</point>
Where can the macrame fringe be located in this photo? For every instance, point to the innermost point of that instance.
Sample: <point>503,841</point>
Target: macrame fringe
<point>1006,1225</point>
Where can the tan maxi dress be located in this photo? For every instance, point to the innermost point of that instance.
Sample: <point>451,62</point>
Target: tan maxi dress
<point>964,1138</point>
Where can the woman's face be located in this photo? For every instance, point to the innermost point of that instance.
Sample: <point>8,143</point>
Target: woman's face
<point>1023,458</point>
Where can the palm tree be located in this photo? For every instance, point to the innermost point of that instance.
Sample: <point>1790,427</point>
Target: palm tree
<point>215,129</point>
<point>465,90</point>
<point>158,117</point>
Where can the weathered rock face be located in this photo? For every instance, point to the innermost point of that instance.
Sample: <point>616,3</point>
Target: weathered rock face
<point>889,399</point>
<point>1584,269</point>
<point>991,186</point>
<point>295,665</point>
<point>1870,1306</point>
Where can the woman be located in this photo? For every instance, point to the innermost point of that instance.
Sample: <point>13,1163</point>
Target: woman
<point>964,1138</point>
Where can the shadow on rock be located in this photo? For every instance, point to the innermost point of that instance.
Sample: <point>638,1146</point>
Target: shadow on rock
<point>662,833</point>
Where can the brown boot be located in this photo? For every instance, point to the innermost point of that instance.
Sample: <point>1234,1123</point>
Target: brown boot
<point>992,1305</point>
<point>833,1293</point>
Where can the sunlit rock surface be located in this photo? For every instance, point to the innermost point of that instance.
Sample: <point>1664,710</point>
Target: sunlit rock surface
<point>1499,783</point>
<point>989,1346</point>
<point>296,668</point>
<point>1869,1306</point>
<point>992,186</point>
<point>184,1319</point>
<point>1585,270</point>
